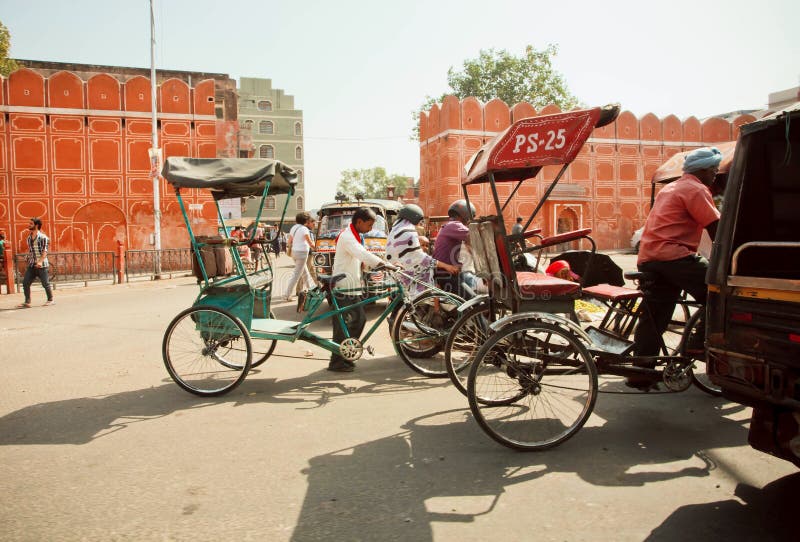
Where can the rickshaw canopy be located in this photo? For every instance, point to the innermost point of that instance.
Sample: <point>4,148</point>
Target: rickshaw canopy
<point>230,177</point>
<point>520,151</point>
<point>673,168</point>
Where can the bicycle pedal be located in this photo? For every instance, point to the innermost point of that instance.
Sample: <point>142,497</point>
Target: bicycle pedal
<point>370,350</point>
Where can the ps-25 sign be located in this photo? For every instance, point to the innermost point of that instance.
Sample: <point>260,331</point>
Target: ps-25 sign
<point>553,140</point>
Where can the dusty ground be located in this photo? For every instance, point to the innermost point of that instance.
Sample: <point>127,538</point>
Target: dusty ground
<point>97,443</point>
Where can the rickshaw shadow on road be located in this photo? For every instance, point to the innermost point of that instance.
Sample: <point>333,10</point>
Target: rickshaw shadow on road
<point>81,420</point>
<point>382,376</point>
<point>443,469</point>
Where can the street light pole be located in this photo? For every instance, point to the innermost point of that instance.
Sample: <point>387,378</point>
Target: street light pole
<point>155,152</point>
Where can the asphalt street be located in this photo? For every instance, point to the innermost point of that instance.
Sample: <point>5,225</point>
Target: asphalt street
<point>98,443</point>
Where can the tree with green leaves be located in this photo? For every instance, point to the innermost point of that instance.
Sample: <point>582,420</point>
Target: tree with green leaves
<point>7,65</point>
<point>528,78</point>
<point>371,183</point>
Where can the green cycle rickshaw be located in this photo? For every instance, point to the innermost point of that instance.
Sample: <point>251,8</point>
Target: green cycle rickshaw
<point>209,348</point>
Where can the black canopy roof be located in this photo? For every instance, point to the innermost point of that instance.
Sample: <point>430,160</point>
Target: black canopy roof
<point>230,177</point>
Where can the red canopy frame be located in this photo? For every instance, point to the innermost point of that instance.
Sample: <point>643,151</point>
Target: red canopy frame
<point>521,150</point>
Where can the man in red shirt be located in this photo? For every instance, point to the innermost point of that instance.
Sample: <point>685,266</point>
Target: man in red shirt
<point>669,244</point>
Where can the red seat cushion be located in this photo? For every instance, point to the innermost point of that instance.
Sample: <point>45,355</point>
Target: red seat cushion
<point>612,293</point>
<point>544,285</point>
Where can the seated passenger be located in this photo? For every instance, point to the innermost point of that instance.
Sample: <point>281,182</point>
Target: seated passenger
<point>448,245</point>
<point>561,270</point>
<point>404,249</point>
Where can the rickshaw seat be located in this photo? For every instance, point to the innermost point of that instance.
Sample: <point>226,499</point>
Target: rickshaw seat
<point>612,293</point>
<point>640,276</point>
<point>254,282</point>
<point>538,285</point>
<point>328,282</point>
<point>492,262</point>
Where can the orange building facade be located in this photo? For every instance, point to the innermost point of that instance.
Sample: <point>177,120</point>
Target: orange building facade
<point>607,187</point>
<point>75,153</point>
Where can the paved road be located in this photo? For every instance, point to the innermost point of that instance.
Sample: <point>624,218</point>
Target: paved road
<point>97,443</point>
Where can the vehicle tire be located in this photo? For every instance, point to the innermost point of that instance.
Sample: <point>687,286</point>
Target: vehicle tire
<point>700,378</point>
<point>532,385</point>
<point>207,351</point>
<point>420,330</point>
<point>466,336</point>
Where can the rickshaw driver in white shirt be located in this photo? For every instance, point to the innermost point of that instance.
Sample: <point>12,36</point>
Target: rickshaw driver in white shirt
<point>349,257</point>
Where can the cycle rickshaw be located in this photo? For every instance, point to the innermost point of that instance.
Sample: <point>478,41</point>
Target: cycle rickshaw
<point>533,370</point>
<point>209,348</point>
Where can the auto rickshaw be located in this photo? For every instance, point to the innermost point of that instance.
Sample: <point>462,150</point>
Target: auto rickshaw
<point>753,309</point>
<point>336,216</point>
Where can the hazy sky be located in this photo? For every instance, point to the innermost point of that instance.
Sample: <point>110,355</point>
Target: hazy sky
<point>358,69</point>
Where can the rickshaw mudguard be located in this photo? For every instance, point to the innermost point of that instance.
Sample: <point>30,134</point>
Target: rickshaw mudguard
<point>546,317</point>
<point>477,300</point>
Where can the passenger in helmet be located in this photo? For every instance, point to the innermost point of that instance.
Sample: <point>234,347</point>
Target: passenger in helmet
<point>403,248</point>
<point>448,245</point>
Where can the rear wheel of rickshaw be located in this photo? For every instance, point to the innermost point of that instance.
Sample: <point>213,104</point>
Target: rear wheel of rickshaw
<point>207,350</point>
<point>532,385</point>
<point>692,347</point>
<point>466,336</point>
<point>420,330</point>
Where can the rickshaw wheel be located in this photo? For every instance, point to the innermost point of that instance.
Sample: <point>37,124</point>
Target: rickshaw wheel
<point>466,336</point>
<point>420,330</point>
<point>207,351</point>
<point>532,385</point>
<point>699,376</point>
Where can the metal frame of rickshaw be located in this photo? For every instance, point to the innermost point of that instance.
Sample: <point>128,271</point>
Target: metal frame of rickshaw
<point>237,294</point>
<point>517,304</point>
<point>484,169</point>
<point>537,300</point>
<point>234,297</point>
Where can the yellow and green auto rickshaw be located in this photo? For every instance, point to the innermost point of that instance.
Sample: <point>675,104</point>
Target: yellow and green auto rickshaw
<point>333,217</point>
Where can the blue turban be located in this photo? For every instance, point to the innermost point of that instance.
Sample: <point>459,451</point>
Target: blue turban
<point>704,158</point>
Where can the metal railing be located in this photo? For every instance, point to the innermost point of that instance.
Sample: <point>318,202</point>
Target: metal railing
<point>73,266</point>
<point>142,263</point>
<point>91,266</point>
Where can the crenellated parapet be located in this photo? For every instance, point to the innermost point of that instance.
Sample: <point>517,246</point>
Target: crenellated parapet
<point>606,188</point>
<point>74,151</point>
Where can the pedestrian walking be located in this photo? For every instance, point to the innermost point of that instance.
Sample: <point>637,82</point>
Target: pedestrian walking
<point>301,293</point>
<point>301,245</point>
<point>38,265</point>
